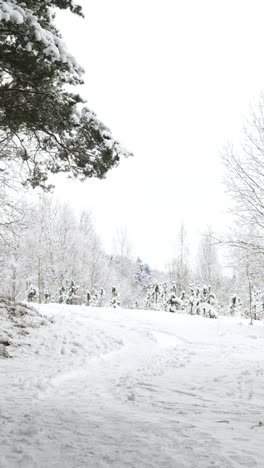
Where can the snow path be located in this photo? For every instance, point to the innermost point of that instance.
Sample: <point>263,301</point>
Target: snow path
<point>116,388</point>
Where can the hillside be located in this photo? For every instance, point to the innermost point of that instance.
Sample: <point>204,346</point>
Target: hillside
<point>118,388</point>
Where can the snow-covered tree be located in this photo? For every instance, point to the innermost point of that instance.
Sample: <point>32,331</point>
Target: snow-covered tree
<point>245,183</point>
<point>121,245</point>
<point>101,297</point>
<point>174,303</point>
<point>115,301</point>
<point>71,290</point>
<point>179,269</point>
<point>143,275</point>
<point>247,277</point>
<point>32,294</point>
<point>208,265</point>
<point>46,296</point>
<point>235,307</point>
<point>44,126</point>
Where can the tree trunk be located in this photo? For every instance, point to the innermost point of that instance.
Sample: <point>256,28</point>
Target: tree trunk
<point>39,281</point>
<point>250,296</point>
<point>14,277</point>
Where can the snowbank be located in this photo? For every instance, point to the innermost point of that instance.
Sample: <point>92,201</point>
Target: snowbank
<point>16,322</point>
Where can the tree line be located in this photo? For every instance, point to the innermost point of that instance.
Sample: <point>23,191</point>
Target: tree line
<point>56,250</point>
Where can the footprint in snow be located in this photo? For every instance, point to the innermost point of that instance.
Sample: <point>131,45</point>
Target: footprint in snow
<point>131,396</point>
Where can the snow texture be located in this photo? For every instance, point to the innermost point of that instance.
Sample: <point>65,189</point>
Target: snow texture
<point>118,388</point>
<point>54,47</point>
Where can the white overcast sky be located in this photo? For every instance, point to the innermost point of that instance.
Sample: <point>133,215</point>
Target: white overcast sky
<point>173,79</point>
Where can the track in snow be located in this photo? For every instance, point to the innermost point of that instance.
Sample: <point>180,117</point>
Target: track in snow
<point>114,388</point>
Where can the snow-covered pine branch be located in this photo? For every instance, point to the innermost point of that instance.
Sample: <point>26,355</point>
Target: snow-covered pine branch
<point>43,125</point>
<point>52,46</point>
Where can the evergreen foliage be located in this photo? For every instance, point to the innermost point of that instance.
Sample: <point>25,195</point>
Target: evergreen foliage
<point>115,301</point>
<point>32,294</point>
<point>143,274</point>
<point>43,126</point>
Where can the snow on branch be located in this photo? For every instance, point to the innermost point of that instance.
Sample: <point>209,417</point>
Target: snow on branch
<point>54,47</point>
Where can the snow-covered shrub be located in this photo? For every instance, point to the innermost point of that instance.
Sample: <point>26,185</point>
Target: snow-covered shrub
<point>174,303</point>
<point>32,294</point>
<point>115,301</point>
<point>46,296</point>
<point>202,301</point>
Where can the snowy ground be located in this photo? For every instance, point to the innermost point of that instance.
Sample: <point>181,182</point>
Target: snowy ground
<point>115,388</point>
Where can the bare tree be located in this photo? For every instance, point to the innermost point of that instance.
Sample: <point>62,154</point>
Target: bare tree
<point>179,270</point>
<point>122,245</point>
<point>208,265</point>
<point>245,181</point>
<point>12,208</point>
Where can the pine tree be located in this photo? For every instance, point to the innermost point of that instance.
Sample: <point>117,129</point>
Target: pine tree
<point>71,292</point>
<point>46,296</point>
<point>61,294</point>
<point>94,297</point>
<point>43,125</point>
<point>32,294</point>
<point>235,305</point>
<point>192,301</point>
<point>115,301</point>
<point>88,298</point>
<point>143,274</point>
<point>174,303</point>
<point>207,301</point>
<point>101,297</point>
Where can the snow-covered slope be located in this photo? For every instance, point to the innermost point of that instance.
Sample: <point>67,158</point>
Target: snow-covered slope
<point>116,388</point>
<point>16,323</point>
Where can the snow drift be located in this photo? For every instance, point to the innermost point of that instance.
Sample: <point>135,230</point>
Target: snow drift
<point>16,322</point>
